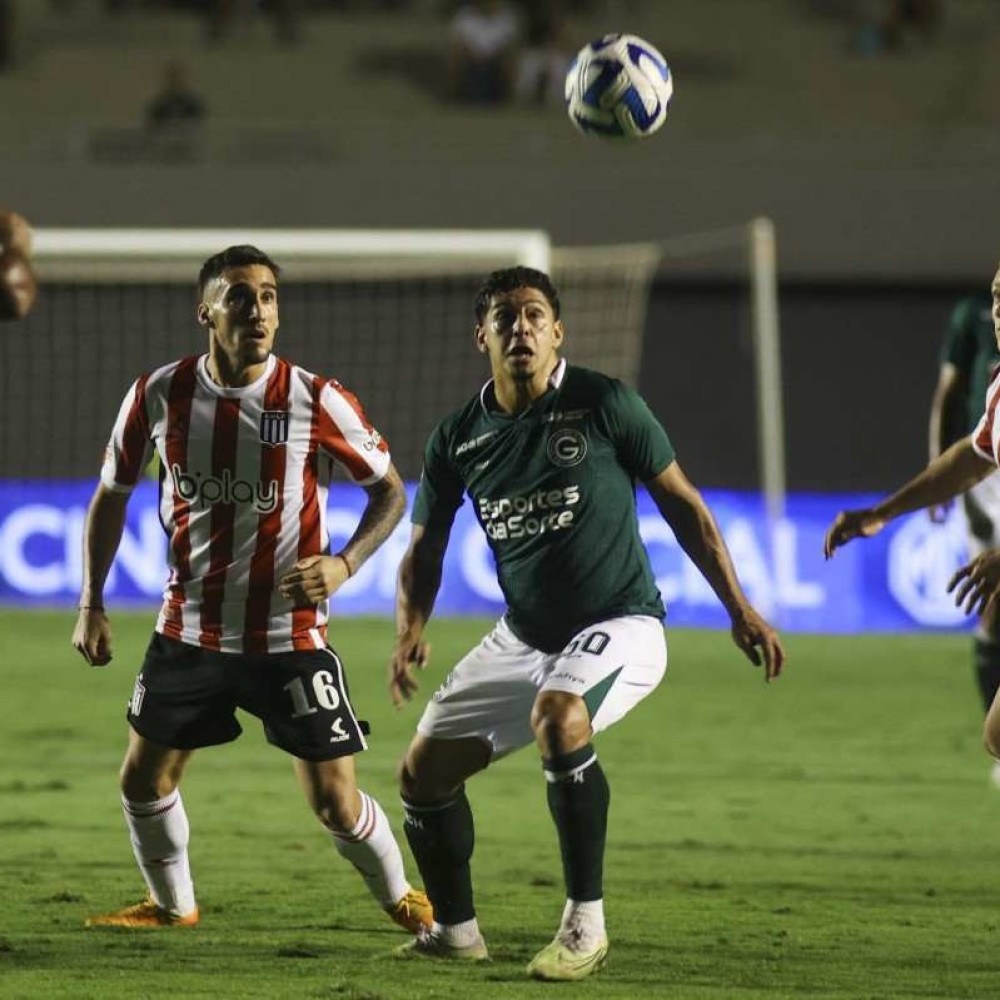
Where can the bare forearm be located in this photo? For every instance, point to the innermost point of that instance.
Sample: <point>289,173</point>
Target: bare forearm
<point>101,537</point>
<point>700,538</point>
<point>419,582</point>
<point>384,510</point>
<point>950,474</point>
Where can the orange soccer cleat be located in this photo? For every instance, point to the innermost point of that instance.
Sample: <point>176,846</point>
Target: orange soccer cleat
<point>144,914</point>
<point>413,912</point>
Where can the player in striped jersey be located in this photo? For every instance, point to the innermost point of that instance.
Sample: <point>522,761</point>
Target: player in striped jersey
<point>549,454</point>
<point>246,444</point>
<point>17,277</point>
<point>957,470</point>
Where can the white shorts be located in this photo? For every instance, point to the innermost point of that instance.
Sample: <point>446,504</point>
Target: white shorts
<point>612,665</point>
<point>981,507</point>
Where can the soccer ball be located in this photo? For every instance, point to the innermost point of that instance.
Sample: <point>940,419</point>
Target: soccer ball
<point>618,87</point>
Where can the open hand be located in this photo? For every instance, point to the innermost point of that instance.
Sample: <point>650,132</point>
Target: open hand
<point>409,654</point>
<point>977,584</point>
<point>759,642</point>
<point>850,524</point>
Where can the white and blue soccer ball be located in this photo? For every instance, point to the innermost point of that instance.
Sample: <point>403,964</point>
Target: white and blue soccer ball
<point>618,87</point>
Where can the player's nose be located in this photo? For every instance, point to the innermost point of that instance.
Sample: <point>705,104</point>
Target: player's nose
<point>521,325</point>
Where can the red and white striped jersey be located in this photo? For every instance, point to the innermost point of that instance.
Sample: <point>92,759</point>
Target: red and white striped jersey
<point>986,436</point>
<point>243,487</point>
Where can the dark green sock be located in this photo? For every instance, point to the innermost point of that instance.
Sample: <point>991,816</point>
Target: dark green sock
<point>441,836</point>
<point>987,659</point>
<point>578,797</point>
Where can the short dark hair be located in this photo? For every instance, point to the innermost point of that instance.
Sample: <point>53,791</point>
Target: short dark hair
<point>242,255</point>
<point>508,279</point>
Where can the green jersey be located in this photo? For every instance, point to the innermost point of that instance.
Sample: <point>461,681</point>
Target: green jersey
<point>553,487</point>
<point>971,346</point>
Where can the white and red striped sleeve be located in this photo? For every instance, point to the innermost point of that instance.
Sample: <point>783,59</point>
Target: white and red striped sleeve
<point>984,437</point>
<point>345,434</point>
<point>130,448</point>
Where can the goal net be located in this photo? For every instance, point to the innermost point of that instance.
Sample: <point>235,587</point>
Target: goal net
<point>388,313</point>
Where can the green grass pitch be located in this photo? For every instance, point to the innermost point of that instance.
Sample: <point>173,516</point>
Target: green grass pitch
<point>830,835</point>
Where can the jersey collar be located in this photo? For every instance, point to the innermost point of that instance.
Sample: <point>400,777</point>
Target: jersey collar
<point>236,391</point>
<point>555,380</point>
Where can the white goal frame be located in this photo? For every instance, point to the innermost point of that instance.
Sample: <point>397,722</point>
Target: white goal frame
<point>151,253</point>
<point>757,240</point>
<point>147,254</point>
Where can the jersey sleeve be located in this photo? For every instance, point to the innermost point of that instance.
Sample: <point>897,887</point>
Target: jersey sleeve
<point>959,345</point>
<point>982,436</point>
<point>130,447</point>
<point>346,435</point>
<point>642,444</point>
<point>440,492</point>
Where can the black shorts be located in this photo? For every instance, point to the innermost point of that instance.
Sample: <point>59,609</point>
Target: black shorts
<point>186,697</point>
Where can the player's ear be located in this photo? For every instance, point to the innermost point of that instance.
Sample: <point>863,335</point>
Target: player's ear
<point>480,335</point>
<point>558,332</point>
<point>202,314</point>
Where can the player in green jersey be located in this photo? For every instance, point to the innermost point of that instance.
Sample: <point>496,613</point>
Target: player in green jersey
<point>549,455</point>
<point>968,356</point>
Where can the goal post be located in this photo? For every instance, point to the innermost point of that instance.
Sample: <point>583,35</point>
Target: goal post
<point>151,254</point>
<point>766,329</point>
<point>756,244</point>
<point>387,311</point>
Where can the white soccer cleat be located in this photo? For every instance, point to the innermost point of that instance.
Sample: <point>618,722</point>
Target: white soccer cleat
<point>995,774</point>
<point>558,963</point>
<point>430,944</point>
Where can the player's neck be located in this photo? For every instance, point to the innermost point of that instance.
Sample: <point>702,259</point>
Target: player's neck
<point>514,396</point>
<point>222,372</point>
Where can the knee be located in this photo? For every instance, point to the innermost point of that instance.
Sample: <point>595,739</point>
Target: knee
<point>337,817</point>
<point>138,785</point>
<point>404,777</point>
<point>416,784</point>
<point>560,722</point>
<point>337,809</point>
<point>434,770</point>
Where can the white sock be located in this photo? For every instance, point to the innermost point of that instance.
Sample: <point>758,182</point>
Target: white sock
<point>159,832</point>
<point>458,935</point>
<point>582,927</point>
<point>372,849</point>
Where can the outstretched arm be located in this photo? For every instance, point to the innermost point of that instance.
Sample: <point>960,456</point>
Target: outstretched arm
<point>315,578</point>
<point>416,590</point>
<point>101,536</point>
<point>958,469</point>
<point>688,515</point>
